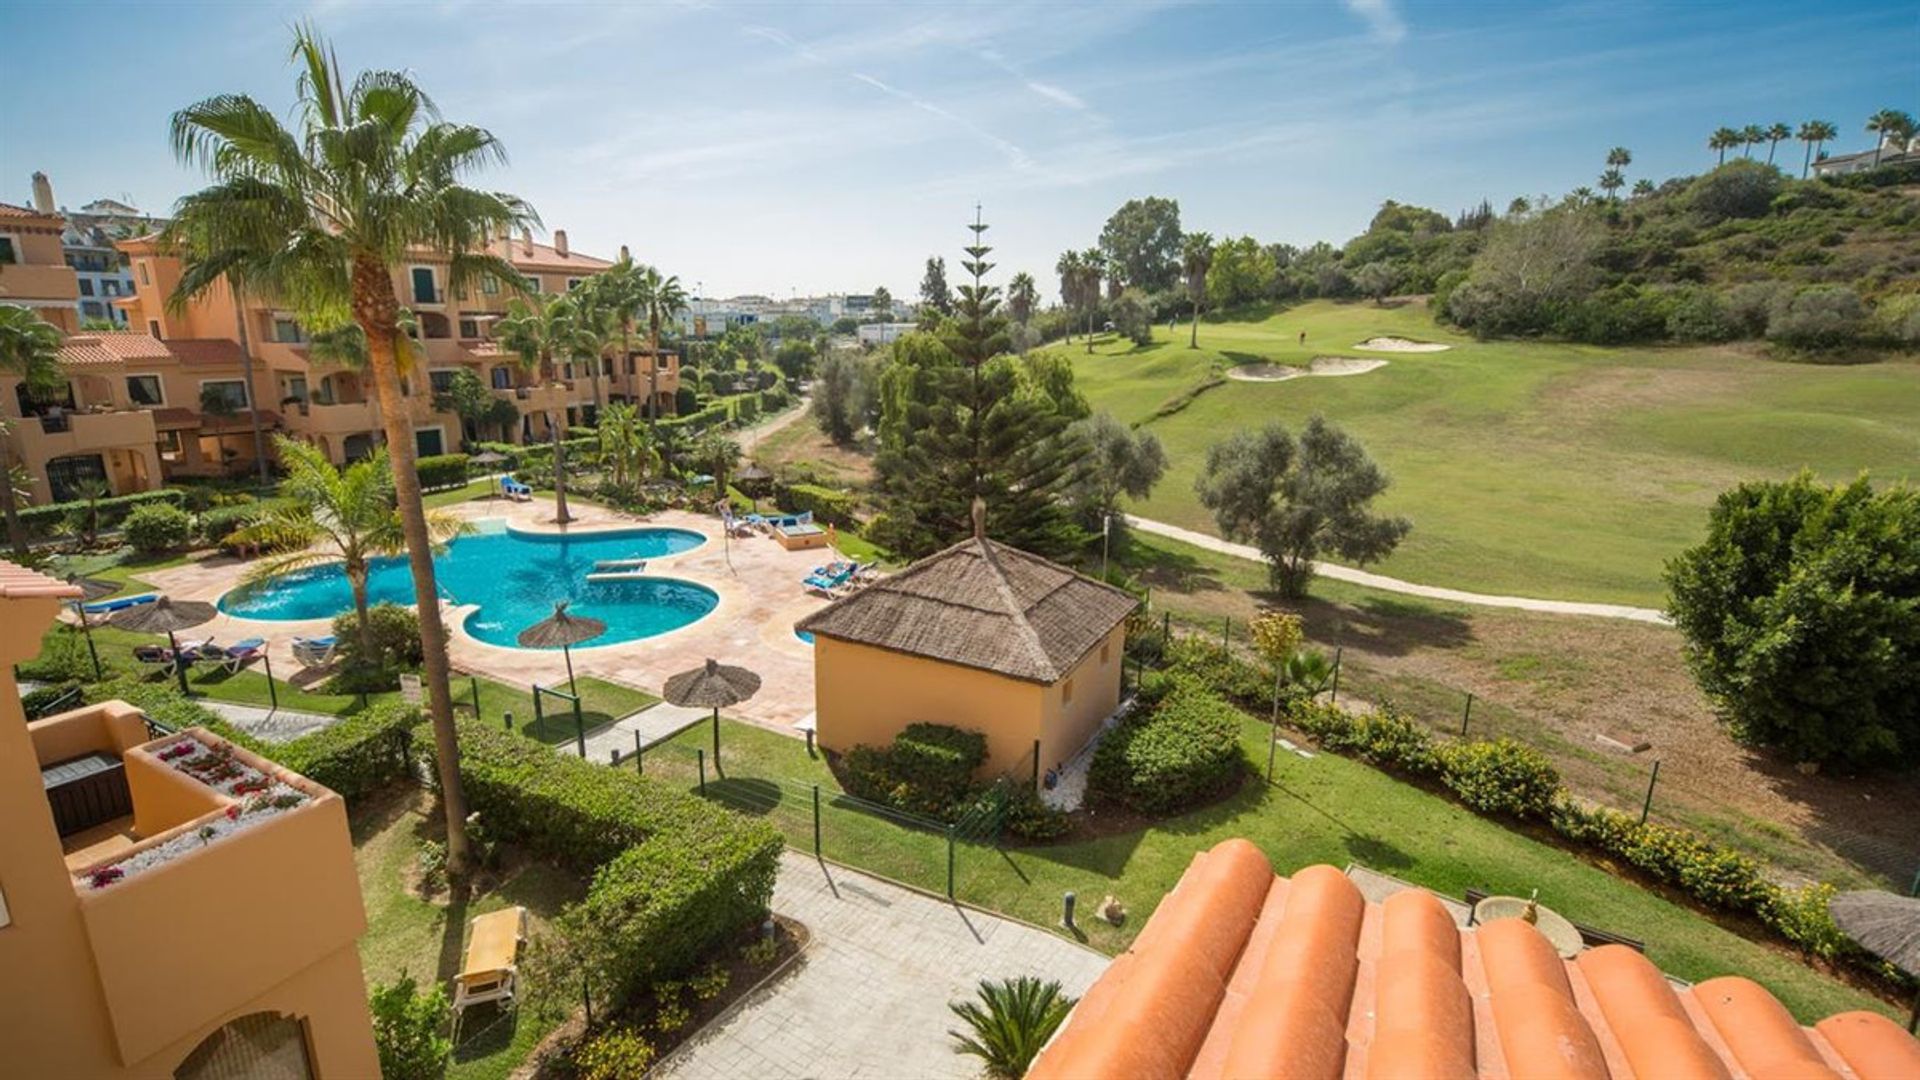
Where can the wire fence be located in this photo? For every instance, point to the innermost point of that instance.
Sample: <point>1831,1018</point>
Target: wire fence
<point>1627,777</point>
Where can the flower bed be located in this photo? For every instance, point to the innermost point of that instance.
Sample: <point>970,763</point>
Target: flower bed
<point>260,798</point>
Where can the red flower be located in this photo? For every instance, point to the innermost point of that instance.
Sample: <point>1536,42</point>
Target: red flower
<point>233,811</point>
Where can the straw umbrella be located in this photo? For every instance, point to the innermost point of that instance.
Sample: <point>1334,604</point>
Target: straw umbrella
<point>562,630</point>
<point>165,616</point>
<point>753,480</point>
<point>715,685</point>
<point>488,457</point>
<point>1887,926</point>
<point>91,589</point>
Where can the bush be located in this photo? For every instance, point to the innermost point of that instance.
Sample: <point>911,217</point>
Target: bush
<point>829,507</point>
<point>1819,317</point>
<point>1801,916</point>
<point>396,648</point>
<point>1679,857</point>
<point>406,1029</point>
<point>158,527</point>
<point>927,769</point>
<point>43,522</point>
<point>442,471</point>
<point>1500,777</point>
<point>63,659</point>
<point>1738,189</point>
<point>45,700</point>
<point>360,754</point>
<point>1239,681</point>
<point>614,1054</point>
<point>1178,753</point>
<point>1028,818</point>
<point>1698,314</point>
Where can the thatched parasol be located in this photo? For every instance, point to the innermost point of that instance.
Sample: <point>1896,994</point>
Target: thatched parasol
<point>164,616</point>
<point>92,589</point>
<point>1887,926</point>
<point>712,686</point>
<point>562,631</point>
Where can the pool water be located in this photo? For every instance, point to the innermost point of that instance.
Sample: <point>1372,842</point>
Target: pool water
<point>515,578</point>
<point>804,635</point>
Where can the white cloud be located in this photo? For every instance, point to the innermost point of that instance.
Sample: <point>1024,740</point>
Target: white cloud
<point>1381,17</point>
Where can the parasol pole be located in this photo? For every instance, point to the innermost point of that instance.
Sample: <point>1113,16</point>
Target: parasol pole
<point>567,651</point>
<point>179,663</point>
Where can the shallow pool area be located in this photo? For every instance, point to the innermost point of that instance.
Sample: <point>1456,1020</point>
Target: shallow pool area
<point>514,578</point>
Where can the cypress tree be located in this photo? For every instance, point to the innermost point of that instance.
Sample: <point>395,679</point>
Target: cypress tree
<point>961,419</point>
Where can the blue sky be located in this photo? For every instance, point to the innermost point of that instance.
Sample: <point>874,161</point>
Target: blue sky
<point>770,148</point>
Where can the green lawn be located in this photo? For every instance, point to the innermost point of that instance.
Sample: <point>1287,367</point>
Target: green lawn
<point>1323,810</point>
<point>1534,468</point>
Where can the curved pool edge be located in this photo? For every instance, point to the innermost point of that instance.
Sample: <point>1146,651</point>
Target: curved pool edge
<point>460,625</point>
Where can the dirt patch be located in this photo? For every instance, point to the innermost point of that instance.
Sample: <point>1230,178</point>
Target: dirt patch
<point>1394,344</point>
<point>1324,366</point>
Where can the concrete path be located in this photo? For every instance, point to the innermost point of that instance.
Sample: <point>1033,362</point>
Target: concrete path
<point>268,725</point>
<point>1387,584</point>
<point>654,724</point>
<point>749,438</point>
<point>869,996</point>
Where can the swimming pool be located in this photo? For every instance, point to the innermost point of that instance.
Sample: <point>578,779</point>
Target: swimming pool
<point>515,578</point>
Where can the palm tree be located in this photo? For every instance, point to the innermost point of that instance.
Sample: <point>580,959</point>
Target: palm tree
<point>1889,124</point>
<point>1013,1019</point>
<point>1774,134</point>
<point>1619,157</point>
<point>318,218</point>
<point>718,453</point>
<point>537,332</point>
<point>623,443</point>
<point>1196,258</point>
<point>30,349</point>
<point>337,516</point>
<point>1814,133</point>
<point>1611,182</point>
<point>1642,188</point>
<point>1022,297</point>
<point>1723,140</point>
<point>1071,274</point>
<point>1751,136</point>
<point>1093,270</point>
<point>661,301</point>
<point>618,289</point>
<point>1308,670</point>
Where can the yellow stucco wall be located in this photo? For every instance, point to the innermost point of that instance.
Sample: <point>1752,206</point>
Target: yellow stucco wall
<point>867,695</point>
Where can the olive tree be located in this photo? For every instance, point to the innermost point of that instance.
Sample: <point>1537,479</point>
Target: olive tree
<point>1297,499</point>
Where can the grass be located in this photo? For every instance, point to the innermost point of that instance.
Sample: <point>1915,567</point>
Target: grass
<point>410,934</point>
<point>1531,468</point>
<point>1320,810</point>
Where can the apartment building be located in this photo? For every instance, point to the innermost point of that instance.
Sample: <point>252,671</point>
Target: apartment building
<point>170,904</point>
<point>33,268</point>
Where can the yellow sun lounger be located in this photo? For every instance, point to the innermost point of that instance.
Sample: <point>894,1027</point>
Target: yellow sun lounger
<point>493,951</point>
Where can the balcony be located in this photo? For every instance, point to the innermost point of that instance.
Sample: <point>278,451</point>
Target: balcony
<point>31,281</point>
<point>44,437</point>
<point>340,418</point>
<point>210,876</point>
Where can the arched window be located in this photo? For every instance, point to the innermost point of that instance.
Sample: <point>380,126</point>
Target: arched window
<point>257,1046</point>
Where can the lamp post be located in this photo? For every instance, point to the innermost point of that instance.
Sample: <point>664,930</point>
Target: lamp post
<point>1106,537</point>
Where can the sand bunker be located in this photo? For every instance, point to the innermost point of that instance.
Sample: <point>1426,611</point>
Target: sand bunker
<point>1327,366</point>
<point>1394,344</point>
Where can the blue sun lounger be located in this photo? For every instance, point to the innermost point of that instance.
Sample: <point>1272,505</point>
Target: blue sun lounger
<point>118,603</point>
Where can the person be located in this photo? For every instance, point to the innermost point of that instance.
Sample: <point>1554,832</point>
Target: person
<point>1303,338</point>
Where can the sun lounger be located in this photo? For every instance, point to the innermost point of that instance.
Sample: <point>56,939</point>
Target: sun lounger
<point>118,603</point>
<point>827,583</point>
<point>514,489</point>
<point>620,564</point>
<point>492,962</point>
<point>618,575</point>
<point>241,653</point>
<point>314,652</point>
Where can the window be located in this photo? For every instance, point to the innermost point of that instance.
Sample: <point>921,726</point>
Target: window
<point>169,446</point>
<point>429,442</point>
<point>92,308</point>
<point>424,291</point>
<point>297,387</point>
<point>145,390</point>
<point>153,327</point>
<point>442,380</point>
<point>110,288</point>
<point>230,392</point>
<point>469,328</point>
<point>533,283</point>
<point>503,378</point>
<point>145,278</point>
<point>1066,692</point>
<point>9,251</point>
<point>86,286</point>
<point>69,476</point>
<point>489,286</point>
<point>574,283</point>
<point>287,329</point>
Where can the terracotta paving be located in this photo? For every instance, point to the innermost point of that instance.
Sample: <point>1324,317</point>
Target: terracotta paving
<point>757,580</point>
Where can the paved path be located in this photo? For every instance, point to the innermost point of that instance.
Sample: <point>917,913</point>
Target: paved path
<point>1387,584</point>
<point>653,724</point>
<point>751,437</point>
<point>268,725</point>
<point>869,997</point>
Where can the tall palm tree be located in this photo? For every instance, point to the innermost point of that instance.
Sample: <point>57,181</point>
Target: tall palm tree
<point>1888,124</point>
<point>1774,134</point>
<point>1071,275</point>
<point>1642,188</point>
<point>1093,270</point>
<point>1723,140</point>
<point>1619,157</point>
<point>537,332</point>
<point>1814,133</point>
<point>338,516</point>
<point>661,301</point>
<point>1196,258</point>
<point>618,289</point>
<point>318,218</point>
<point>1751,136</point>
<point>1611,182</point>
<point>30,349</point>
<point>176,303</point>
<point>1022,297</point>
<point>626,445</point>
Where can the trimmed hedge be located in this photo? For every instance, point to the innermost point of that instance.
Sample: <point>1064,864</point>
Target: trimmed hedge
<point>927,769</point>
<point>441,471</point>
<point>1171,756</point>
<point>828,506</point>
<point>44,522</point>
<point>158,527</point>
<point>1500,777</point>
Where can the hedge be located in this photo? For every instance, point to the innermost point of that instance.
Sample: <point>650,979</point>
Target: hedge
<point>158,527</point>
<point>1168,757</point>
<point>216,524</point>
<point>927,769</point>
<point>829,507</point>
<point>440,471</point>
<point>44,522</point>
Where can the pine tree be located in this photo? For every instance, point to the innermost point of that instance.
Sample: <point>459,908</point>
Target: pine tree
<point>961,418</point>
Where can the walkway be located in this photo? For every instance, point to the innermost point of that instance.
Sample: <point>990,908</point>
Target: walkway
<point>653,724</point>
<point>869,996</point>
<point>1387,584</point>
<point>268,725</point>
<point>750,438</point>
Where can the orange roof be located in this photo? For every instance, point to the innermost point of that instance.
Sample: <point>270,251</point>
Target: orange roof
<point>17,582</point>
<point>9,210</point>
<point>1240,973</point>
<point>544,257</point>
<point>117,348</point>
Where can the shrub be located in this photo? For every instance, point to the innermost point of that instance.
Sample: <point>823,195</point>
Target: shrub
<point>1167,758</point>
<point>63,659</point>
<point>1679,857</point>
<point>396,647</point>
<point>1802,917</point>
<point>1009,1024</point>
<point>158,527</point>
<point>614,1054</point>
<point>829,507</point>
<point>43,522</point>
<point>406,1029</point>
<point>1819,317</point>
<point>361,753</point>
<point>441,471</point>
<point>1500,777</point>
<point>1031,819</point>
<point>1738,189</point>
<point>685,400</point>
<point>1698,314</point>
<point>43,701</point>
<point>927,769</point>
<point>1237,680</point>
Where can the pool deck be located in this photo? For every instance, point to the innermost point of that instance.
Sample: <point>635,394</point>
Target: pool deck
<point>758,582</point>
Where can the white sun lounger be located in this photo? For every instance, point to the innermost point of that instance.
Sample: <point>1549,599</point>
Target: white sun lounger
<point>620,564</point>
<point>618,575</point>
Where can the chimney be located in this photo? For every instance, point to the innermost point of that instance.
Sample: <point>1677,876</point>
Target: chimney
<point>624,256</point>
<point>560,242</point>
<point>979,518</point>
<point>42,193</point>
<point>526,242</point>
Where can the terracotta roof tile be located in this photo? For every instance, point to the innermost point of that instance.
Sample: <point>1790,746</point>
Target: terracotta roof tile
<point>18,582</point>
<point>9,210</point>
<point>1242,974</point>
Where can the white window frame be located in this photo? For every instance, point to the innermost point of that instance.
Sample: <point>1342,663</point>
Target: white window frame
<point>19,252</point>
<point>246,391</point>
<point>155,376</point>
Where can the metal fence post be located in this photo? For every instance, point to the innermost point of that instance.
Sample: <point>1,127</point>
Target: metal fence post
<point>1467,715</point>
<point>1647,807</point>
<point>474,682</point>
<point>949,862</point>
<point>716,741</point>
<point>1166,629</point>
<point>506,718</point>
<point>639,754</point>
<point>273,692</point>
<point>580,729</point>
<point>1036,764</point>
<point>1334,698</point>
<point>539,716</point>
<point>816,821</point>
<point>700,756</point>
